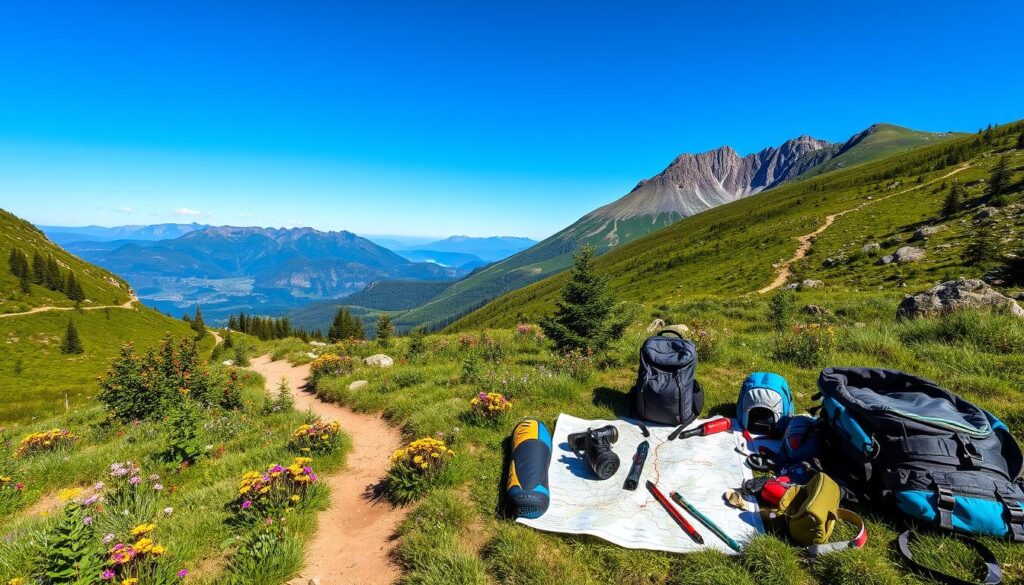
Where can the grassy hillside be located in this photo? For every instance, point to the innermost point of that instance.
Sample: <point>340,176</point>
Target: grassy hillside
<point>100,286</point>
<point>553,255</point>
<point>460,533</point>
<point>731,249</point>
<point>36,379</point>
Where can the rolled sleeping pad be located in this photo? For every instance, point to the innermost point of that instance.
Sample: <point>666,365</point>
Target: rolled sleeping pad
<point>527,487</point>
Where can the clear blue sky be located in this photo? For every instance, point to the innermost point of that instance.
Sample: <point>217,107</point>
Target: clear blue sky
<point>436,118</point>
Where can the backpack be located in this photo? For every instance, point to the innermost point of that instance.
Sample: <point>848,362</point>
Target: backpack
<point>666,390</point>
<point>811,513</point>
<point>937,457</point>
<point>765,400</point>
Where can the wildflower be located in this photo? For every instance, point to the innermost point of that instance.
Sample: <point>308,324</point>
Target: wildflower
<point>154,477</point>
<point>90,500</point>
<point>246,504</point>
<point>107,575</point>
<point>16,581</point>
<point>135,480</point>
<point>295,498</point>
<point>182,573</point>
<point>87,520</point>
<point>142,529</point>
<point>158,487</point>
<point>130,581</point>
<point>98,486</point>
<point>168,511</point>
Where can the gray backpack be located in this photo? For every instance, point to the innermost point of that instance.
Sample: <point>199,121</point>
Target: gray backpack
<point>666,389</point>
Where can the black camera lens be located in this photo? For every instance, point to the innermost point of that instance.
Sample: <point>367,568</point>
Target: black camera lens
<point>605,464</point>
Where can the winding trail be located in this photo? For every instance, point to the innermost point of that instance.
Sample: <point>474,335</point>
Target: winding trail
<point>355,534</point>
<point>129,304</point>
<point>784,269</point>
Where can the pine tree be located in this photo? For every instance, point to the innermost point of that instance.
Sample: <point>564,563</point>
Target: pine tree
<point>14,261</point>
<point>341,327</point>
<point>198,324</point>
<point>981,250</point>
<point>385,329</point>
<point>38,268</point>
<point>355,325</point>
<point>53,279</point>
<point>582,315</point>
<point>25,284</point>
<point>71,343</point>
<point>1020,141</point>
<point>229,342</point>
<point>73,288</point>
<point>1000,178</point>
<point>954,200</point>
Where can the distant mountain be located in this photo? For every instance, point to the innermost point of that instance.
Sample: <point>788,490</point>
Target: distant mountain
<point>691,184</point>
<point>94,233</point>
<point>262,270</point>
<point>489,249</point>
<point>454,259</point>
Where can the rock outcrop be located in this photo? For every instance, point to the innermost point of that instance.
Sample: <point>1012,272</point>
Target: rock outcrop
<point>379,360</point>
<point>904,255</point>
<point>955,295</point>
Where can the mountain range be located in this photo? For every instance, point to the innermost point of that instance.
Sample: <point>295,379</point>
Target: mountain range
<point>690,184</point>
<point>262,270</point>
<point>93,233</point>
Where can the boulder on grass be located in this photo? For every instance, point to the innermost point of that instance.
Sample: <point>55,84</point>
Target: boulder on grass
<point>871,248</point>
<point>358,384</point>
<point>379,360</point>
<point>925,232</point>
<point>809,283</point>
<point>656,326</point>
<point>815,310</point>
<point>955,295</point>
<point>903,255</point>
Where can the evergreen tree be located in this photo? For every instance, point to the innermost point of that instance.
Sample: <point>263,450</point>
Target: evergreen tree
<point>981,250</point>
<point>780,309</point>
<point>38,268</point>
<point>14,262</point>
<point>52,278</point>
<point>954,201</point>
<point>73,288</point>
<point>1013,267</point>
<point>228,341</point>
<point>340,327</point>
<point>25,284</point>
<point>999,181</point>
<point>355,327</point>
<point>582,315</point>
<point>187,319</point>
<point>385,329</point>
<point>71,343</point>
<point>1020,141</point>
<point>198,324</point>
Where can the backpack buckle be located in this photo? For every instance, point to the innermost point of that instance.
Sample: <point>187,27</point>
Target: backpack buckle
<point>946,501</point>
<point>969,454</point>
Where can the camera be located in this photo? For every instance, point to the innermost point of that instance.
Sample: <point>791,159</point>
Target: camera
<point>595,447</point>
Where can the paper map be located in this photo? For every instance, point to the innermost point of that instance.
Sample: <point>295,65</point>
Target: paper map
<point>700,468</point>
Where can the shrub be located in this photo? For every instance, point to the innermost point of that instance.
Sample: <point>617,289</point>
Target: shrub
<point>490,348</point>
<point>807,346</point>
<point>781,308</point>
<point>529,331</point>
<point>231,395</point>
<point>184,446</point>
<point>282,401</point>
<point>241,357</point>
<point>406,378</point>
<point>266,556</point>
<point>582,318</point>
<point>417,467</point>
<point>316,437</point>
<point>471,369</point>
<point>489,406</point>
<point>578,365</point>
<point>417,344</point>
<point>142,388</point>
<point>270,494</point>
<point>45,441</point>
<point>330,365</point>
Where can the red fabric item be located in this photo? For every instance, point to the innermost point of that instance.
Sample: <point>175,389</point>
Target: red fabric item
<point>772,491</point>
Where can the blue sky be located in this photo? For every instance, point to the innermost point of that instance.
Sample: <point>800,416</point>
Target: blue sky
<point>434,118</point>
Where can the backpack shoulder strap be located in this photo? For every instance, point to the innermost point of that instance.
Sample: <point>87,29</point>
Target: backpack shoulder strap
<point>856,542</point>
<point>994,572</point>
<point>670,332</point>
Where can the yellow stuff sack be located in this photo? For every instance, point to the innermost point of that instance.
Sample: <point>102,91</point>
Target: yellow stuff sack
<point>811,510</point>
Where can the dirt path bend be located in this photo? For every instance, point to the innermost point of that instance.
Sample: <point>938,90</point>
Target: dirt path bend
<point>354,535</point>
<point>129,304</point>
<point>785,269</point>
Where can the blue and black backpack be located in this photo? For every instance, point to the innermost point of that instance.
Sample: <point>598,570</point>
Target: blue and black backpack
<point>936,457</point>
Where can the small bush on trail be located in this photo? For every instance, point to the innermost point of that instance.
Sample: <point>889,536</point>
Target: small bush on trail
<point>283,401</point>
<point>267,556</point>
<point>241,356</point>
<point>488,407</point>
<point>231,395</point>
<point>418,467</point>
<point>184,445</point>
<point>317,437</point>
<point>407,378</point>
<point>46,441</point>
<point>330,365</point>
<point>472,371</point>
<point>272,493</point>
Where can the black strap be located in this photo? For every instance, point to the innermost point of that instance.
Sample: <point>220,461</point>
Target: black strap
<point>945,502</point>
<point>994,573</point>
<point>671,331</point>
<point>762,462</point>
<point>1014,516</point>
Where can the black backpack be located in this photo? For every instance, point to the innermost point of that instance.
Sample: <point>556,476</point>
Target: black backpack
<point>666,390</point>
<point>938,459</point>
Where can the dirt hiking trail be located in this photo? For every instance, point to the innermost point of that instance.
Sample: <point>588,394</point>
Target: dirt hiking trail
<point>785,269</point>
<point>354,535</point>
<point>129,304</point>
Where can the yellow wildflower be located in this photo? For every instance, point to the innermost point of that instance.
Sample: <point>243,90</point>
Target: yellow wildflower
<point>142,529</point>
